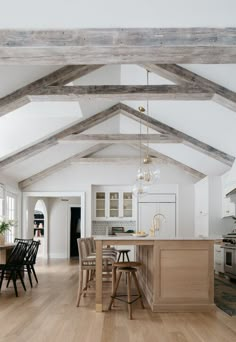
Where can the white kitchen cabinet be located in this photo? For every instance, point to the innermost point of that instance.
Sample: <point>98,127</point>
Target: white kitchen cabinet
<point>228,207</point>
<point>113,204</point>
<point>218,259</point>
<point>153,204</point>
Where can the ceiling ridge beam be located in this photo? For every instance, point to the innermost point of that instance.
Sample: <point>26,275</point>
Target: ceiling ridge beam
<point>180,75</point>
<point>61,165</point>
<point>121,138</point>
<point>187,139</point>
<point>62,76</point>
<point>77,128</point>
<point>118,45</point>
<point>121,92</point>
<point>169,160</point>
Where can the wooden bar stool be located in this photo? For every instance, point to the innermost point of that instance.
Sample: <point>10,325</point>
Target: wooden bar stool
<point>123,253</point>
<point>128,268</point>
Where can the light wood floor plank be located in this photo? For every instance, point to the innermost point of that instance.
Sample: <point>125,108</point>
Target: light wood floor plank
<point>48,313</point>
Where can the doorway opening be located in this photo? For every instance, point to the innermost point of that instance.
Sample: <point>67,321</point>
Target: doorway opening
<point>75,230</point>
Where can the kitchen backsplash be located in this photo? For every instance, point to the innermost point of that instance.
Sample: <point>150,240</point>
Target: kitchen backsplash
<point>99,227</point>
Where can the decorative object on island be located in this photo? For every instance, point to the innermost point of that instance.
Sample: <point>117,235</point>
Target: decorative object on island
<point>157,221</point>
<point>5,225</point>
<point>147,173</point>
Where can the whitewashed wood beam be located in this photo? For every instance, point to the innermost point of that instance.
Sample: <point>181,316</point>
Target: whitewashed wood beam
<point>121,138</point>
<point>61,76</point>
<point>180,75</point>
<point>77,128</point>
<point>187,139</point>
<point>121,92</point>
<point>107,160</point>
<point>169,160</point>
<point>61,165</point>
<point>118,45</point>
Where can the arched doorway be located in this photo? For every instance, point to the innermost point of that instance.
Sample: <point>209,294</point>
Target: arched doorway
<point>41,227</point>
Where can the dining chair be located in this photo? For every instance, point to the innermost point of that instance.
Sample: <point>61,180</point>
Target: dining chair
<point>14,265</point>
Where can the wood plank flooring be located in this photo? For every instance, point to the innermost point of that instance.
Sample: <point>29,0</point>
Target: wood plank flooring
<point>48,313</point>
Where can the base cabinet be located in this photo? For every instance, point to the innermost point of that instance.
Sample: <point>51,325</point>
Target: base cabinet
<point>218,259</point>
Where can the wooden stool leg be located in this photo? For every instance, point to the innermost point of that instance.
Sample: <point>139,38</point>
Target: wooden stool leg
<point>86,282</point>
<point>127,255</point>
<point>80,290</point>
<point>113,277</point>
<point>114,292</point>
<point>138,288</point>
<point>129,295</point>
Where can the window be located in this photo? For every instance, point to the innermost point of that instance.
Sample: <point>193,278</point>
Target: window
<point>2,196</point>
<point>11,215</point>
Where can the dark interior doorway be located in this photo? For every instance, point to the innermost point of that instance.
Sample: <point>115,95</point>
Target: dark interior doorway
<point>75,230</point>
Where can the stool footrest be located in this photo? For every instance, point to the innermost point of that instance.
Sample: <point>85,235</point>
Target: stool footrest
<point>125,301</point>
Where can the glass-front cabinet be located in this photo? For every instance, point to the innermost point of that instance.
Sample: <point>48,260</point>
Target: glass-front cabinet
<point>127,204</point>
<point>114,205</point>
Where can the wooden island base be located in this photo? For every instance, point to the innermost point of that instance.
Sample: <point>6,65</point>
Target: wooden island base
<point>177,275</point>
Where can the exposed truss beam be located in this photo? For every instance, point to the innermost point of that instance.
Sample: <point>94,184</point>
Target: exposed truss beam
<point>169,160</point>
<point>187,139</point>
<point>107,160</point>
<point>118,45</point>
<point>61,165</point>
<point>77,128</point>
<point>59,77</point>
<point>180,75</point>
<point>121,92</point>
<point>121,138</point>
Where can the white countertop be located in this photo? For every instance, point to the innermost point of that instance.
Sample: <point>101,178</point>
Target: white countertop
<point>131,238</point>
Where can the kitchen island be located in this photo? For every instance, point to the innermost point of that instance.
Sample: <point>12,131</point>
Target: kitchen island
<point>177,275</point>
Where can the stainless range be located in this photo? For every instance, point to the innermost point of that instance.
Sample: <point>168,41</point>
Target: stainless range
<point>230,254</point>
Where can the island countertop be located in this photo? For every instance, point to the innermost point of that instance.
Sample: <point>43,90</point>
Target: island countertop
<point>152,238</point>
<point>177,274</point>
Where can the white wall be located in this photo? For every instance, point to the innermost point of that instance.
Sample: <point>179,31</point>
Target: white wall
<point>59,219</point>
<point>82,177</point>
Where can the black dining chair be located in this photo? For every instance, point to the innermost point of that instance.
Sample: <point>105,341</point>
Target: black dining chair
<point>14,265</point>
<point>23,240</point>
<point>30,260</point>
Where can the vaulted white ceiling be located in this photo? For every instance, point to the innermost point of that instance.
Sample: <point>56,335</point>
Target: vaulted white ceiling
<point>206,121</point>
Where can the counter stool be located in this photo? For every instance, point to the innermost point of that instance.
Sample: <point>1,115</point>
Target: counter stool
<point>129,268</point>
<point>123,253</point>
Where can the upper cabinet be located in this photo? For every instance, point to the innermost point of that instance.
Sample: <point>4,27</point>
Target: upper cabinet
<point>113,205</point>
<point>228,207</point>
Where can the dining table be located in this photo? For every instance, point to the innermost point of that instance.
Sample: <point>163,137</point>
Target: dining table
<point>5,251</point>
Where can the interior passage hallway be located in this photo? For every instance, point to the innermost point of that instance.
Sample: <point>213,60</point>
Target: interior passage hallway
<point>48,313</point>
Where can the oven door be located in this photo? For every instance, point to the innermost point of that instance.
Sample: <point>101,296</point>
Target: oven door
<point>230,260</point>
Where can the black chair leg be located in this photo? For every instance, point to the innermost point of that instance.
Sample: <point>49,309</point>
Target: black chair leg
<point>9,279</point>
<point>14,282</point>
<point>32,267</point>
<point>21,279</point>
<point>2,277</point>
<point>29,275</point>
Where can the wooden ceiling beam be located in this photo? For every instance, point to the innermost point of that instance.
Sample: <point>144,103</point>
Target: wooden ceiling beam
<point>118,45</point>
<point>77,128</point>
<point>171,161</point>
<point>61,165</point>
<point>187,139</point>
<point>121,92</point>
<point>121,138</point>
<point>180,75</point>
<point>59,77</point>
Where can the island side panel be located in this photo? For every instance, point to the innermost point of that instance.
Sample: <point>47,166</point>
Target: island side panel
<point>145,255</point>
<point>183,276</point>
<point>178,275</point>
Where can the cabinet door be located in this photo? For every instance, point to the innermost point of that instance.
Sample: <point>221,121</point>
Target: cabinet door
<point>100,205</point>
<point>147,212</point>
<point>127,204</point>
<point>114,204</point>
